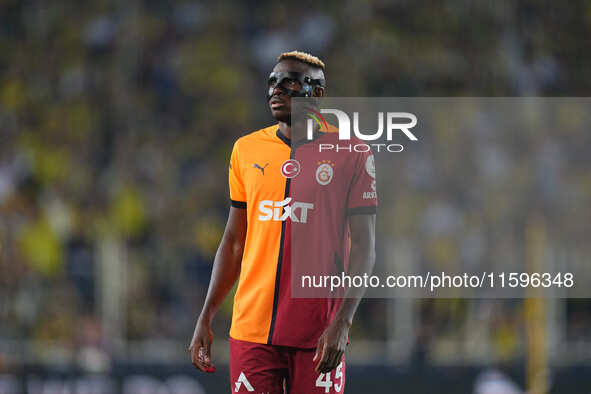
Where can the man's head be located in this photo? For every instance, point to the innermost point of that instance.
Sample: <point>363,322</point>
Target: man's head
<point>296,74</point>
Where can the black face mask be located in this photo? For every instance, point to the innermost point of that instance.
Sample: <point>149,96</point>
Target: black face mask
<point>294,84</point>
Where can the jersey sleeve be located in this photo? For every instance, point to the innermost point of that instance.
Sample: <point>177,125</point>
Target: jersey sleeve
<point>237,192</point>
<point>363,197</point>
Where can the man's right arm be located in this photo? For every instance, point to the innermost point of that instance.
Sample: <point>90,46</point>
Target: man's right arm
<point>226,268</point>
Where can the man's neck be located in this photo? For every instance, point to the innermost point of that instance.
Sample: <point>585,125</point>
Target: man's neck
<point>285,129</point>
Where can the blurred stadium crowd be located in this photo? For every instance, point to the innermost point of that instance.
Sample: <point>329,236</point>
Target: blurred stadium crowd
<point>117,120</point>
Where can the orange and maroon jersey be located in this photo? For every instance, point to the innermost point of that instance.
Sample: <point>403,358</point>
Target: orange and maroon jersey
<point>298,191</point>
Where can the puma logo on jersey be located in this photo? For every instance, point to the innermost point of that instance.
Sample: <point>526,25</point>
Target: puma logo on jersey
<point>258,167</point>
<point>242,381</point>
<point>271,210</point>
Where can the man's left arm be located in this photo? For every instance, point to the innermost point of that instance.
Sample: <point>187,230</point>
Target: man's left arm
<point>333,342</point>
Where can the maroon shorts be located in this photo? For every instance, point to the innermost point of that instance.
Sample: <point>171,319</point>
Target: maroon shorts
<point>260,368</point>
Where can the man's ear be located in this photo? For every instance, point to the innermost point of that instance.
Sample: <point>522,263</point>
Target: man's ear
<point>318,91</point>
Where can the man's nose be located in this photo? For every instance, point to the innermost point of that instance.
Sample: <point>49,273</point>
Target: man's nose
<point>277,91</point>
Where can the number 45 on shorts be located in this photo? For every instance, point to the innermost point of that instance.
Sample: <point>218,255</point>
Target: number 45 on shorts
<point>324,380</point>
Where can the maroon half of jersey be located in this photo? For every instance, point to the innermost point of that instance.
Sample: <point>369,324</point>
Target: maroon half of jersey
<point>330,187</point>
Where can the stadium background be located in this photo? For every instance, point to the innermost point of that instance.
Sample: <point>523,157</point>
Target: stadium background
<point>116,123</point>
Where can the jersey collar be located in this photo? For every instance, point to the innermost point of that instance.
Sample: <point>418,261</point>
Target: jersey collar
<point>317,134</point>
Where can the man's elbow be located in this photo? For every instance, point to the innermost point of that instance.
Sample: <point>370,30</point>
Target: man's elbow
<point>365,250</point>
<point>234,244</point>
<point>371,258</point>
<point>238,248</point>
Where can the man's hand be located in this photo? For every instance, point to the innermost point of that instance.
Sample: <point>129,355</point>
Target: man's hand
<point>226,268</point>
<point>333,341</point>
<point>331,346</point>
<point>200,347</point>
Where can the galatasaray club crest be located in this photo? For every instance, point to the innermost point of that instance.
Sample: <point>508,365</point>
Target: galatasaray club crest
<point>324,172</point>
